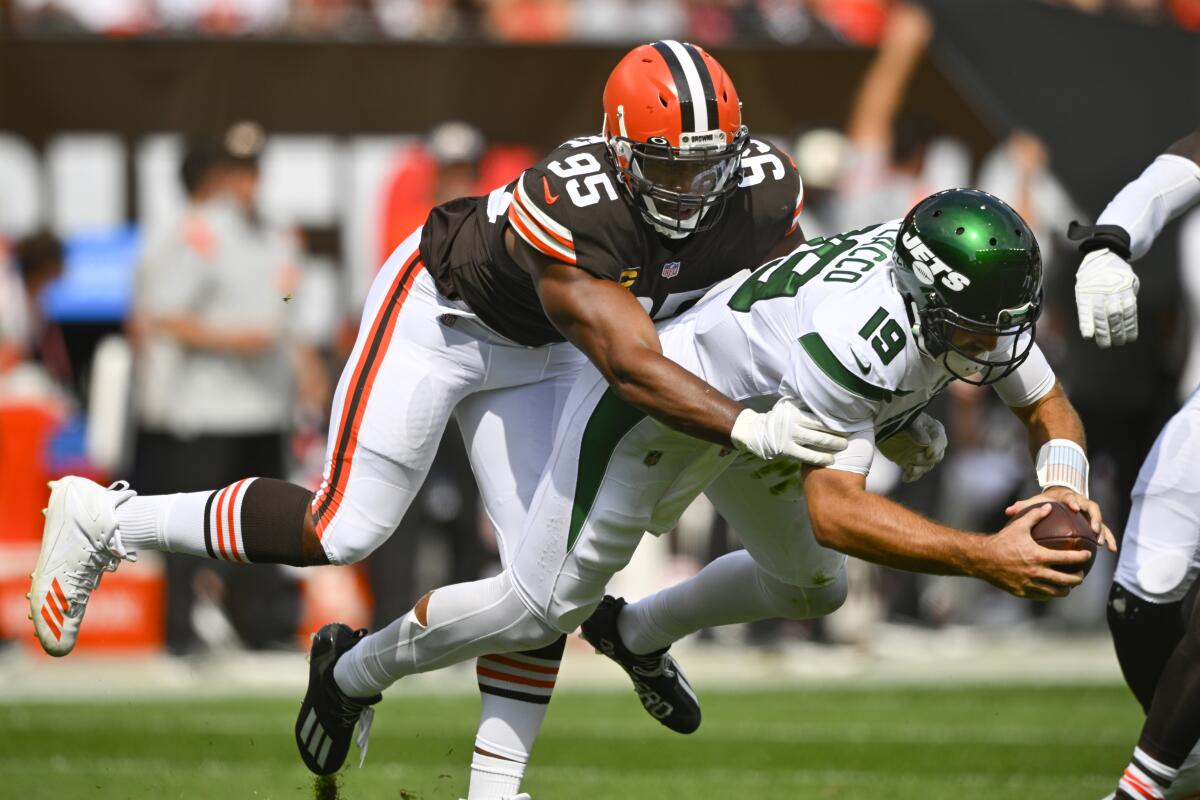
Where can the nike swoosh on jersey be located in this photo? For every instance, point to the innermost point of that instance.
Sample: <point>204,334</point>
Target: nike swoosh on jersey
<point>550,198</point>
<point>864,367</point>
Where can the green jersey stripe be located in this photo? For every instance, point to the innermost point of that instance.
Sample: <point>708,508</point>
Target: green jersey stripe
<point>610,421</point>
<point>824,358</point>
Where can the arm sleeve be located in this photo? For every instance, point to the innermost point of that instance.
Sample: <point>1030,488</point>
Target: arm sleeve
<point>1162,192</point>
<point>1028,383</point>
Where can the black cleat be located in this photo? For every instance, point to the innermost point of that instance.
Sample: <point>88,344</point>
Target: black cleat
<point>660,684</point>
<point>327,717</point>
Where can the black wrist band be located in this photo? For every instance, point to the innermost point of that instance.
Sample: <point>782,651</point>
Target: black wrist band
<point>1099,237</point>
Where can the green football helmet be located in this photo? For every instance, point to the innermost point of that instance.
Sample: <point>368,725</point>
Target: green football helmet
<point>966,261</point>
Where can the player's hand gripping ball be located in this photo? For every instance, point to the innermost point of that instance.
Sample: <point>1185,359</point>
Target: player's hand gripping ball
<point>1064,529</point>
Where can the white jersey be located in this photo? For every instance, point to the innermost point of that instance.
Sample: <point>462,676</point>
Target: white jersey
<point>826,327</point>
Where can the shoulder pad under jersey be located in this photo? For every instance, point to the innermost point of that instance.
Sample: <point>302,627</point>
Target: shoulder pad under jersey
<point>777,192</point>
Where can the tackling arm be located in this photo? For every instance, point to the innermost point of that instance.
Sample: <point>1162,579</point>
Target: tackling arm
<point>607,323</point>
<point>610,326</point>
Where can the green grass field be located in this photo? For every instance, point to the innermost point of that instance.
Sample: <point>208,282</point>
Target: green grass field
<point>894,743</point>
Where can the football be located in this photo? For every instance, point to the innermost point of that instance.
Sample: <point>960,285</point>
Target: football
<point>1064,529</point>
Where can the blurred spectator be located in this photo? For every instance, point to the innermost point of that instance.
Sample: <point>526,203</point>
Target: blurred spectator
<point>25,334</point>
<point>217,375</point>
<point>221,17</point>
<point>861,22</point>
<point>436,20</point>
<point>344,19</point>
<point>627,20</point>
<point>453,161</point>
<point>526,20</point>
<point>819,155</point>
<point>109,17</point>
<point>884,166</point>
<point>1018,171</point>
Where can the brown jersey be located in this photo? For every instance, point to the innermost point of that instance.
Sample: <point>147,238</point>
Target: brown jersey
<point>573,208</point>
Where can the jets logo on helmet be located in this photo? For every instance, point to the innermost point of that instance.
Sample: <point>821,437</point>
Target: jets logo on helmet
<point>673,125</point>
<point>970,271</point>
<point>928,267</point>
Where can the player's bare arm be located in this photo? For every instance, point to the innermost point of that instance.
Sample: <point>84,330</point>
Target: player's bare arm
<point>608,324</point>
<point>848,518</point>
<point>1052,418</point>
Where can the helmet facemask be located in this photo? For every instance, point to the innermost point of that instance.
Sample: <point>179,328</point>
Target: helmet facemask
<point>1014,332</point>
<point>680,190</point>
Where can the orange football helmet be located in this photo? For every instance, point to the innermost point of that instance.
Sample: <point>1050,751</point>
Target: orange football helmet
<point>673,124</point>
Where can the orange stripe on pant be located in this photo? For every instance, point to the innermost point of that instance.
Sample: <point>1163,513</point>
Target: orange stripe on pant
<point>359,392</point>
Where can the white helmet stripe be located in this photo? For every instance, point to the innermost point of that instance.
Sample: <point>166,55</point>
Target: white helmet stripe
<point>695,87</point>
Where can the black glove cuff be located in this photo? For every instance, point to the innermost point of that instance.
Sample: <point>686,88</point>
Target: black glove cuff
<point>1099,237</point>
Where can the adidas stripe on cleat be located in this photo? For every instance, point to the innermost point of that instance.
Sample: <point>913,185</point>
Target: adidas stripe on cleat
<point>325,724</point>
<point>661,686</point>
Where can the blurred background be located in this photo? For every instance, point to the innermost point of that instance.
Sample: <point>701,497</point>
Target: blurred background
<point>304,139</point>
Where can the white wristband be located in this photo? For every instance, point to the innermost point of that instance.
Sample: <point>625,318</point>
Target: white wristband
<point>1061,462</point>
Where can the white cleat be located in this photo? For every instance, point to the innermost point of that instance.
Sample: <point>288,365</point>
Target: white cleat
<point>80,542</point>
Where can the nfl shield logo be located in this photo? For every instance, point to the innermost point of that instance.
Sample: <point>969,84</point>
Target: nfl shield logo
<point>670,269</point>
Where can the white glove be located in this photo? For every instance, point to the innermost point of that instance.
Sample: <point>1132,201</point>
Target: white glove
<point>786,431</point>
<point>1106,296</point>
<point>917,448</point>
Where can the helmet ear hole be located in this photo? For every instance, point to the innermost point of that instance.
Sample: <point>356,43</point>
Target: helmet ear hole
<point>959,231</point>
<point>992,241</point>
<point>663,100</point>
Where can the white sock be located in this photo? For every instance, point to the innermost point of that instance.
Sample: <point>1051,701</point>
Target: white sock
<point>720,594</point>
<point>494,778</point>
<point>463,621</point>
<point>172,523</point>
<point>515,689</point>
<point>139,520</point>
<point>1146,778</point>
<point>731,589</point>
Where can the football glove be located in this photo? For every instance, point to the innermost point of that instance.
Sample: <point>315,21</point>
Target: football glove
<point>1106,296</point>
<point>917,448</point>
<point>786,431</point>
